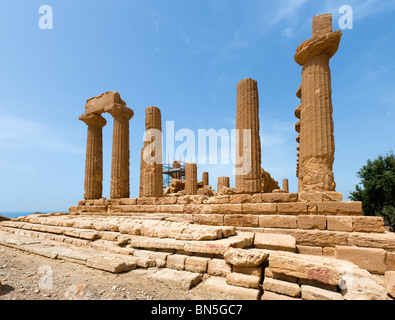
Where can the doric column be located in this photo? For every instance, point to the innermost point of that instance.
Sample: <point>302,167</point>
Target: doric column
<point>94,156</point>
<point>248,145</point>
<point>176,165</point>
<point>223,182</point>
<point>152,155</point>
<point>120,152</point>
<point>205,179</point>
<point>190,179</point>
<point>317,146</point>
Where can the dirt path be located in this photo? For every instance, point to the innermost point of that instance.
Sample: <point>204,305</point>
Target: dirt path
<point>26,276</point>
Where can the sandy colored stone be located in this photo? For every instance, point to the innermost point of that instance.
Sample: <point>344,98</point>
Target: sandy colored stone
<point>312,222</point>
<point>196,264</point>
<point>218,268</point>
<point>242,280</point>
<point>205,179</point>
<point>372,260</point>
<point>340,223</point>
<point>390,261</point>
<point>94,156</point>
<point>390,283</point>
<point>250,271</point>
<point>112,264</point>
<point>320,238</point>
<point>369,224</point>
<point>246,258</point>
<point>176,261</point>
<point>315,251</point>
<point>248,143</point>
<point>279,276</point>
<point>209,219</point>
<point>190,179</point>
<point>384,241</point>
<point>314,293</point>
<point>259,208</point>
<point>286,186</point>
<point>218,288</point>
<point>238,220</point>
<point>271,296</point>
<point>277,221</point>
<point>223,182</point>
<point>281,287</point>
<point>292,208</point>
<point>181,279</point>
<point>272,241</point>
<point>340,208</point>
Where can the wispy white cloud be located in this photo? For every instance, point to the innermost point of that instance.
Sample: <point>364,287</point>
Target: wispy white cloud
<point>20,133</point>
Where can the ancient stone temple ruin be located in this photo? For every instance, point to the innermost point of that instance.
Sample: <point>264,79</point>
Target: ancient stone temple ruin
<point>255,241</point>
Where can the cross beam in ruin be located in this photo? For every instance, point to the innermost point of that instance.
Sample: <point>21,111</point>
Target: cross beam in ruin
<point>112,103</point>
<point>315,128</point>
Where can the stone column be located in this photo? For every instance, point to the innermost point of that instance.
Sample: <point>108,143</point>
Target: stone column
<point>223,182</point>
<point>285,186</point>
<point>205,179</point>
<point>153,169</point>
<point>94,156</point>
<point>120,152</point>
<point>247,118</point>
<point>317,146</point>
<point>190,179</point>
<point>176,165</point>
<point>141,189</point>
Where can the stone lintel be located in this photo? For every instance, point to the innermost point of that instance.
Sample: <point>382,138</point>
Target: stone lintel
<point>322,24</point>
<point>99,103</point>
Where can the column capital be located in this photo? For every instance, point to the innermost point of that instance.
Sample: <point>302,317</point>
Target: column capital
<point>322,44</point>
<point>118,110</point>
<point>93,119</point>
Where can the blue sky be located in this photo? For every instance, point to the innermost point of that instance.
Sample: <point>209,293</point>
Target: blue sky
<point>185,57</point>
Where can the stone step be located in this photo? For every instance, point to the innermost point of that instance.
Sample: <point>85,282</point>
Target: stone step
<point>151,228</point>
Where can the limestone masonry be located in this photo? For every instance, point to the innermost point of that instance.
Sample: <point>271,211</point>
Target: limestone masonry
<point>253,242</point>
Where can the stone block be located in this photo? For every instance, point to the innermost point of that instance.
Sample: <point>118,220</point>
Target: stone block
<point>242,280</point>
<point>369,224</point>
<point>218,268</point>
<point>176,261</point>
<point>196,264</point>
<point>296,208</point>
<point>246,258</point>
<point>369,259</point>
<point>279,276</point>
<point>328,252</point>
<point>250,271</point>
<point>335,223</point>
<point>314,251</point>
<point>111,264</point>
<point>218,200</point>
<point>319,238</point>
<point>370,240</point>
<point>259,208</point>
<point>340,208</point>
<point>390,261</point>
<point>281,287</point>
<point>226,208</point>
<point>313,293</point>
<point>277,221</point>
<point>390,283</point>
<point>273,241</point>
<point>240,198</point>
<point>180,279</point>
<point>279,197</point>
<point>312,222</point>
<point>239,220</point>
<point>209,219</point>
<point>271,296</point>
<point>218,289</point>
<point>171,208</point>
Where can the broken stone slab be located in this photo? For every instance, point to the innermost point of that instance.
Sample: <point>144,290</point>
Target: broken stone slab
<point>246,258</point>
<point>273,241</point>
<point>183,280</point>
<point>390,283</point>
<point>217,246</point>
<point>111,263</point>
<point>218,289</point>
<point>314,293</point>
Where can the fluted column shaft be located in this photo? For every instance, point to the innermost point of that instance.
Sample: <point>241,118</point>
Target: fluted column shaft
<point>93,184</point>
<point>205,179</point>
<point>249,150</point>
<point>120,153</point>
<point>190,179</point>
<point>317,145</point>
<point>223,182</point>
<point>152,168</point>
